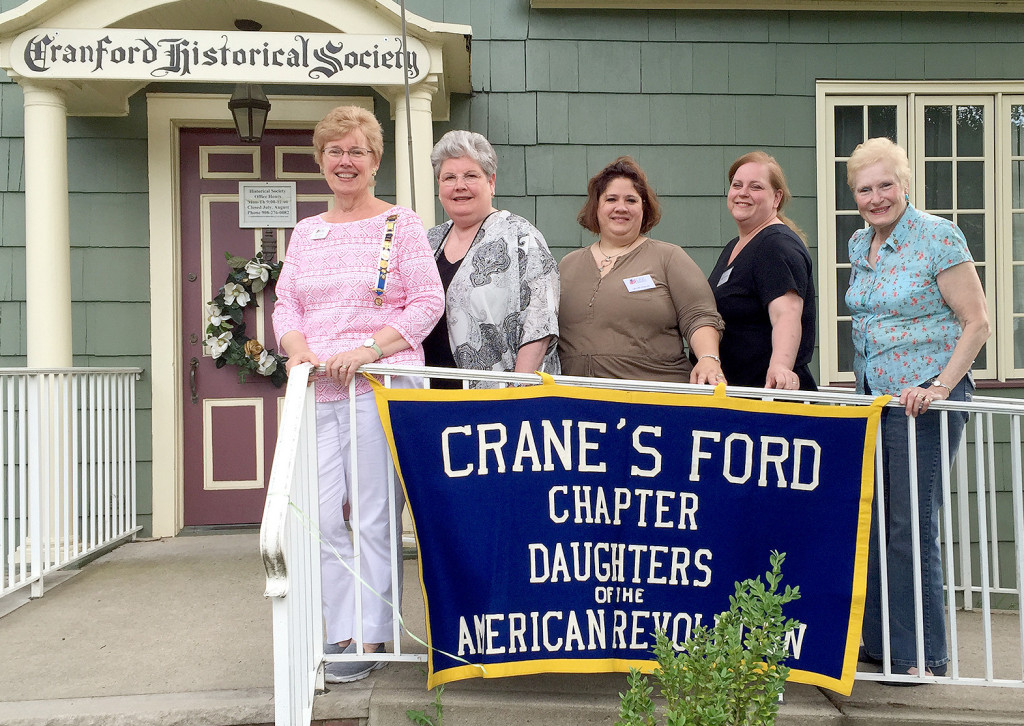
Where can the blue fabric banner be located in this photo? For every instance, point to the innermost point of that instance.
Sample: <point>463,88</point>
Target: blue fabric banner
<point>558,526</point>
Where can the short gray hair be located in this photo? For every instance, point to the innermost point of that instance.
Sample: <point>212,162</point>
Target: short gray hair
<point>457,144</point>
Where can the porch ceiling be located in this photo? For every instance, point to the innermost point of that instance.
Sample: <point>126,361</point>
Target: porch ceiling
<point>448,43</point>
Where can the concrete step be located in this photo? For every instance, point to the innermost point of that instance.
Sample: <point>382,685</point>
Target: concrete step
<point>547,699</point>
<point>172,632</point>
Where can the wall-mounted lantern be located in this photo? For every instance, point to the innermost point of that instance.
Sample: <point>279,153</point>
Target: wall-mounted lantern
<point>249,105</point>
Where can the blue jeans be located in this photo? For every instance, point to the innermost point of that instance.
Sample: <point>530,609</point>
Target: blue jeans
<point>899,536</point>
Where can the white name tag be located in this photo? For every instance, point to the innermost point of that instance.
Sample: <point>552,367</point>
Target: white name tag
<point>725,277</point>
<point>319,233</point>
<point>640,282</point>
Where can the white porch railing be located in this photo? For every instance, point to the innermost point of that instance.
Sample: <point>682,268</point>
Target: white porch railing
<point>67,468</point>
<point>981,534</point>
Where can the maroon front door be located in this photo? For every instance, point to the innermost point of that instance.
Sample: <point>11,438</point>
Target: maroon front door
<point>230,427</point>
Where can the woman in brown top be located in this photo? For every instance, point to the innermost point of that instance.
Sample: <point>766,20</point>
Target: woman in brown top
<point>628,302</point>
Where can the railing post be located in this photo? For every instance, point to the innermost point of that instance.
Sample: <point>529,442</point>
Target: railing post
<point>298,642</point>
<point>49,454</point>
<point>37,463</point>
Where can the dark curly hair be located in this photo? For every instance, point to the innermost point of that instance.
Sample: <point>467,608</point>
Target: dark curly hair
<point>625,167</point>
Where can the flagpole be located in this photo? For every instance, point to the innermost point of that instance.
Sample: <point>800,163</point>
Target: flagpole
<point>408,113</point>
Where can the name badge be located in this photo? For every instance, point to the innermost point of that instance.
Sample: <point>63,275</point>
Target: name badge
<point>724,278</point>
<point>640,282</point>
<point>319,233</point>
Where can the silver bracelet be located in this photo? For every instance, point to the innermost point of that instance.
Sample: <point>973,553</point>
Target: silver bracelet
<point>713,357</point>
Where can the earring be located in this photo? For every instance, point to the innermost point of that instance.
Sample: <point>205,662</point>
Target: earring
<point>906,195</point>
<point>373,173</point>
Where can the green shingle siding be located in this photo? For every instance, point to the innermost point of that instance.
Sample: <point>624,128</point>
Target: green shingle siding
<point>560,93</point>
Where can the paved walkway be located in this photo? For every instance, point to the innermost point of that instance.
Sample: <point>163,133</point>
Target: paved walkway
<point>177,631</point>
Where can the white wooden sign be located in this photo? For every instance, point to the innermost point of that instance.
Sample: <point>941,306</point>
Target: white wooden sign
<point>205,55</point>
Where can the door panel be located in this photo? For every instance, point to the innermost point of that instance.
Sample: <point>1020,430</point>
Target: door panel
<point>230,427</point>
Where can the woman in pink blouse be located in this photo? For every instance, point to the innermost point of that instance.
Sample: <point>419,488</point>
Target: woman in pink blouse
<point>359,285</point>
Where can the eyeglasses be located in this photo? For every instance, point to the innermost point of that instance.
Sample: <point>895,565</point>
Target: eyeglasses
<point>355,153</point>
<point>470,178</point>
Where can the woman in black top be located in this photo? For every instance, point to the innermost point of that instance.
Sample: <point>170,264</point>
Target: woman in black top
<point>763,285</point>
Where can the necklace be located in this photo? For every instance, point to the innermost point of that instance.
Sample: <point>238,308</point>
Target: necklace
<point>609,259</point>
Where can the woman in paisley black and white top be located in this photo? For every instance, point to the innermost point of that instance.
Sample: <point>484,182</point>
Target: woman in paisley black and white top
<point>500,279</point>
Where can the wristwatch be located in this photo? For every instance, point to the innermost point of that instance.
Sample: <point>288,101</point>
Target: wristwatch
<point>940,384</point>
<point>371,343</point>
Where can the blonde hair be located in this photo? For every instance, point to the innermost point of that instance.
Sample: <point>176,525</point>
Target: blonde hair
<point>879,150</point>
<point>777,180</point>
<point>343,120</point>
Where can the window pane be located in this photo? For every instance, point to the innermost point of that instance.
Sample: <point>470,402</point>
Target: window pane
<point>1017,130</point>
<point>1017,179</point>
<point>1018,237</point>
<point>938,184</point>
<point>1018,343</point>
<point>970,131</point>
<point>938,131</point>
<point>973,227</point>
<point>846,225</point>
<point>849,129</point>
<point>882,121</point>
<point>842,284</point>
<point>844,344</point>
<point>1018,288</point>
<point>970,185</point>
<point>844,197</point>
<point>981,362</point>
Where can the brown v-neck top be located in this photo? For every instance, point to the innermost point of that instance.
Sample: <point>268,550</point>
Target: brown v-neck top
<point>612,329</point>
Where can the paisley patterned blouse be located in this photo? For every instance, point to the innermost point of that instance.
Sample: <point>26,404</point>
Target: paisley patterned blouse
<point>504,295</point>
<point>903,331</point>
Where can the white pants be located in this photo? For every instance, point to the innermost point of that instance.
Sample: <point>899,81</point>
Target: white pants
<point>336,490</point>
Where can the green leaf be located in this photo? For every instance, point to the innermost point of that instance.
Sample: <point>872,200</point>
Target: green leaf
<point>418,717</point>
<point>235,262</point>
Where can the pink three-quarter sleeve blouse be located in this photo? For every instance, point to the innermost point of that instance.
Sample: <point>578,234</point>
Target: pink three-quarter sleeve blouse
<point>326,289</point>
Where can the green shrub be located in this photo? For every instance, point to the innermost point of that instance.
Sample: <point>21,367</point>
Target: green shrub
<point>727,675</point>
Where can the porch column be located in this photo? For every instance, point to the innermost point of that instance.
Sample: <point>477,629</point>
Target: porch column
<point>420,99</point>
<point>47,243</point>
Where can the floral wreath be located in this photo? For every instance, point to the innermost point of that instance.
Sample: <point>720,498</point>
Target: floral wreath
<point>225,330</point>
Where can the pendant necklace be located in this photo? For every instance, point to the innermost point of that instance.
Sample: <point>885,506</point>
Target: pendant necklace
<point>609,259</point>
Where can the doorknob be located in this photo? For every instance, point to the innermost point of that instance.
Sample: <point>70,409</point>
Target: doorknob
<point>193,366</point>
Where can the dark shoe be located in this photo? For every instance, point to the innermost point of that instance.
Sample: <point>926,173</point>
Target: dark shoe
<point>864,657</point>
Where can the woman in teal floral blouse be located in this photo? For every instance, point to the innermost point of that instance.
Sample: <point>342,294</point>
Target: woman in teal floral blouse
<point>919,321</point>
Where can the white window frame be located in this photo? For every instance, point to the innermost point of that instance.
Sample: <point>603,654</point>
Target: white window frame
<point>910,98</point>
<point>1004,317</point>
